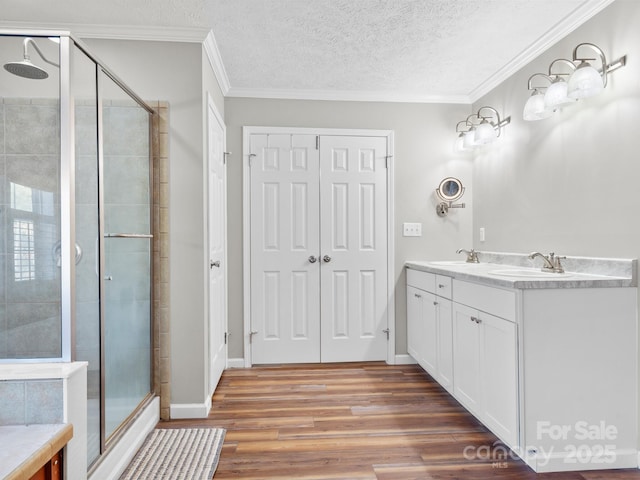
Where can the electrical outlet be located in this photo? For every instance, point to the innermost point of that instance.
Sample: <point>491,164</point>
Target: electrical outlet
<point>411,229</point>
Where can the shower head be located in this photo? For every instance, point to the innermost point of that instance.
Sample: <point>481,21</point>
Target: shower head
<point>25,68</point>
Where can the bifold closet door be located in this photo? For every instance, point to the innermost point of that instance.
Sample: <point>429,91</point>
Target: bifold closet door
<point>353,246</point>
<point>285,269</point>
<point>318,248</point>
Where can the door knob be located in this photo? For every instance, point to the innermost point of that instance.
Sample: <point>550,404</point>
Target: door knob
<point>312,259</point>
<point>326,258</point>
<point>214,264</point>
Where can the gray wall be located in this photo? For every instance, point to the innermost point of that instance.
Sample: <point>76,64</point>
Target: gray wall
<point>567,184</point>
<point>174,72</point>
<point>424,136</point>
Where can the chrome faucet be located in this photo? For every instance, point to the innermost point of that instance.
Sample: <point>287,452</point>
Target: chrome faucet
<point>551,262</point>
<point>472,255</point>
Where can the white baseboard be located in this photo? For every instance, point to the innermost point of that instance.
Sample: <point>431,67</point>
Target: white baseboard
<point>405,359</point>
<point>114,462</point>
<point>235,363</point>
<point>190,410</point>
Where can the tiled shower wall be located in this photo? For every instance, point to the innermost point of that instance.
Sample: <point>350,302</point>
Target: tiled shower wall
<point>162,351</point>
<point>30,218</point>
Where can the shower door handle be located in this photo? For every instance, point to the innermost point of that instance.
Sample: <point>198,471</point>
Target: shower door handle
<point>127,235</point>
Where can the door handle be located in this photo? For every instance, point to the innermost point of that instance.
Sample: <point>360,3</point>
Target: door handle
<point>312,259</point>
<point>214,264</point>
<point>326,258</point>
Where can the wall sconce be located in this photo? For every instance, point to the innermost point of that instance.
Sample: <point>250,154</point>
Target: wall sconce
<point>584,81</point>
<point>479,128</point>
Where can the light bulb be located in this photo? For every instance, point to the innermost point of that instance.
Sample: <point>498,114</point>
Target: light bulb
<point>556,95</point>
<point>459,145</point>
<point>469,138</point>
<point>585,82</point>
<point>535,109</point>
<point>485,133</point>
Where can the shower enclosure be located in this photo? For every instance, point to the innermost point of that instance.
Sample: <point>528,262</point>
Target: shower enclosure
<point>76,224</point>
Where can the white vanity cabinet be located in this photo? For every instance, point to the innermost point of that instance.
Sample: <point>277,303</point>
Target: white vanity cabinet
<point>551,369</point>
<point>429,324</point>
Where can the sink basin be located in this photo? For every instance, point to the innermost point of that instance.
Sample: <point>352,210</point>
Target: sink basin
<point>529,273</point>
<point>451,262</point>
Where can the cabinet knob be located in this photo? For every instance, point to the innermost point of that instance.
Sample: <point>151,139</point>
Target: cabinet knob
<point>475,319</point>
<point>417,296</point>
<point>435,303</point>
<point>440,285</point>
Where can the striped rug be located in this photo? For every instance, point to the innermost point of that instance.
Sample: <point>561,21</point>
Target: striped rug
<point>177,453</point>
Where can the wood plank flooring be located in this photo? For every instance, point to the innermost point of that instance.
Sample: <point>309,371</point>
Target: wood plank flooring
<point>355,421</point>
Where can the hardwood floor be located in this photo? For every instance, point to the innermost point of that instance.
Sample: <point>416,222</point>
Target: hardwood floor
<point>355,421</point>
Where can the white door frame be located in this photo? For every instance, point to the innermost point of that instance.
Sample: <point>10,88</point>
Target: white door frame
<point>211,106</point>
<point>247,131</point>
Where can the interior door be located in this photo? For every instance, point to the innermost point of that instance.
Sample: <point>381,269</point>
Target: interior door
<point>353,230</point>
<point>285,277</point>
<point>217,247</point>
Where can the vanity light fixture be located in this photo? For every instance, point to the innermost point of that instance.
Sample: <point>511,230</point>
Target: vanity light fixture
<point>584,80</point>
<point>480,128</point>
<point>535,108</point>
<point>556,95</point>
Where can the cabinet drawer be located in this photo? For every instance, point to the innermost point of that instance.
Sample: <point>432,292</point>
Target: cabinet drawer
<point>443,286</point>
<point>496,301</point>
<point>422,280</point>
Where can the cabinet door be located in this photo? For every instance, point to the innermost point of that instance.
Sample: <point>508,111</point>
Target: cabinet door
<point>466,355</point>
<point>499,377</point>
<point>430,344</point>
<point>415,329</point>
<point>445,342</point>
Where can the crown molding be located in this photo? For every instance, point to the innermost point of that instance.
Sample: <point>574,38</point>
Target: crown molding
<point>578,17</point>
<point>215,59</point>
<point>345,96</point>
<point>119,32</point>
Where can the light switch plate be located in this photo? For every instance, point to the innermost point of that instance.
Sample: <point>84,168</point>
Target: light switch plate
<point>482,234</point>
<point>411,229</point>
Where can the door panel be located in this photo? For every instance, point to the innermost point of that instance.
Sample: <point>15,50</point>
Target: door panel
<point>285,285</point>
<point>466,352</point>
<point>353,230</point>
<point>217,248</point>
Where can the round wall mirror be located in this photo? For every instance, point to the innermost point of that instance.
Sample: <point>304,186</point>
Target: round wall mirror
<point>450,189</point>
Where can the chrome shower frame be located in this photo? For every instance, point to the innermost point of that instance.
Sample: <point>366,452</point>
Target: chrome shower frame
<point>67,183</point>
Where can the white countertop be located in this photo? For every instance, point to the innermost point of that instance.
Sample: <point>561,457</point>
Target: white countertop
<point>485,273</point>
<point>24,449</point>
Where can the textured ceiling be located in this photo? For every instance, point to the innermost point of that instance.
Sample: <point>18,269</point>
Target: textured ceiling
<point>418,47</point>
<point>405,49</point>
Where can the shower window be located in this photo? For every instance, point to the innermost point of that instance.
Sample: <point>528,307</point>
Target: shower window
<point>24,254</point>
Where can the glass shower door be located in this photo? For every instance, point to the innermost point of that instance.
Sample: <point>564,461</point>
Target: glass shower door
<point>127,255</point>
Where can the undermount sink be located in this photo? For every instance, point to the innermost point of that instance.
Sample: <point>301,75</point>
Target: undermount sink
<point>529,273</point>
<point>452,262</point>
